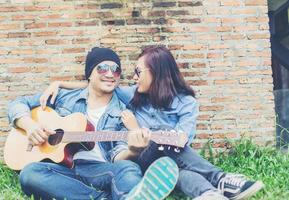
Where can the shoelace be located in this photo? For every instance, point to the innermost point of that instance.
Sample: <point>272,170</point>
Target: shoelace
<point>237,180</point>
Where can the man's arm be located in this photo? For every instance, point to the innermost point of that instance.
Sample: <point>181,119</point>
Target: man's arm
<point>20,116</point>
<point>53,90</point>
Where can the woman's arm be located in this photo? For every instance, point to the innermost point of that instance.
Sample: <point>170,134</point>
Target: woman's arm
<point>53,88</point>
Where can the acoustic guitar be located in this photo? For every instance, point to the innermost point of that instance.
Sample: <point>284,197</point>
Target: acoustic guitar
<point>73,132</point>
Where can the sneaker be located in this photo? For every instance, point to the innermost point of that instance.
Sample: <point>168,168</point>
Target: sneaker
<point>237,187</point>
<point>211,195</point>
<point>158,181</point>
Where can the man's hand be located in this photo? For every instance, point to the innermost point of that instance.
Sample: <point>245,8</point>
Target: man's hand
<point>52,91</point>
<point>138,140</point>
<point>129,120</point>
<point>38,134</point>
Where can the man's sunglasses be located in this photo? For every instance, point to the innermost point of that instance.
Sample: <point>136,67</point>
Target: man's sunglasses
<point>137,71</point>
<point>104,68</point>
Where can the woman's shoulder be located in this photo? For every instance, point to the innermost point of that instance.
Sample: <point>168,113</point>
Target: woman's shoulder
<point>183,100</point>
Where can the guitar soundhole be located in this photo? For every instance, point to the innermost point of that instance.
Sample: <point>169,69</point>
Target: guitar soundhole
<point>56,138</point>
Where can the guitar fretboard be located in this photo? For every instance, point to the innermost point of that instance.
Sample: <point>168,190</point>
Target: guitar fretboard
<point>160,137</point>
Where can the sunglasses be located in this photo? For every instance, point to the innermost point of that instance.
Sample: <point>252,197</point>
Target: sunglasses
<point>137,71</point>
<point>104,68</point>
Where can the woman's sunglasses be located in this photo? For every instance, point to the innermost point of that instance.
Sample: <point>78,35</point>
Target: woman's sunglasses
<point>104,68</point>
<point>137,71</point>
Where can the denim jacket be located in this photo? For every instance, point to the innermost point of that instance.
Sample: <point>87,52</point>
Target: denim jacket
<point>181,116</point>
<point>70,101</point>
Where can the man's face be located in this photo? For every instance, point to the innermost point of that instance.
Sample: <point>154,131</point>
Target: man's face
<point>105,77</point>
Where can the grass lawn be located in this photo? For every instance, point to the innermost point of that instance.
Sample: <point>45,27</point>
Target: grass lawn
<point>258,163</point>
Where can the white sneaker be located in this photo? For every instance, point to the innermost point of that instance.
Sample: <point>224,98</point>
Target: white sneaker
<point>211,195</point>
<point>237,186</point>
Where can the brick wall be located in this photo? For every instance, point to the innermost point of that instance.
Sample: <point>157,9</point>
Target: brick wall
<point>221,46</point>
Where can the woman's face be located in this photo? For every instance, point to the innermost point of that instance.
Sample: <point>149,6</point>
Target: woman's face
<point>142,76</point>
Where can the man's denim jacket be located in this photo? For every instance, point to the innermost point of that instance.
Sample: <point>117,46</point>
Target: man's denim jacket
<point>70,101</point>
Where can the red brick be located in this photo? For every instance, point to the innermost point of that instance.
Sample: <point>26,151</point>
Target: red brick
<point>211,108</point>
<point>22,52</point>
<point>60,24</point>
<point>34,25</point>
<point>57,42</point>
<point>197,82</point>
<point>256,2</point>
<point>10,8</point>
<point>19,69</point>
<point>35,60</point>
<point>74,50</point>
<point>9,26</point>
<point>45,33</point>
<point>81,41</point>
<point>87,23</point>
<point>224,82</point>
<point>23,17</point>
<point>19,35</point>
<point>36,8</point>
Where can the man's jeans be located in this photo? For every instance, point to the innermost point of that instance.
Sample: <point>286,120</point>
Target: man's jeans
<point>87,180</point>
<point>196,176</point>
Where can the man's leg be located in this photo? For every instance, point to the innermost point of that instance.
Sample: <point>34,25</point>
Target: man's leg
<point>119,177</point>
<point>50,180</point>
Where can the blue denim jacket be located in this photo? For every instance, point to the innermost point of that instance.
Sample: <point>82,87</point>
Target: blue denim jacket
<point>70,101</point>
<point>181,116</point>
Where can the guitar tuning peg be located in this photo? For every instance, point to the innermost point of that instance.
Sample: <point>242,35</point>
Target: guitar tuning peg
<point>177,150</point>
<point>161,148</point>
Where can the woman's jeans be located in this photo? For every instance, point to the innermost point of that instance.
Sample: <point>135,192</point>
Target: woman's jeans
<point>196,176</point>
<point>87,180</point>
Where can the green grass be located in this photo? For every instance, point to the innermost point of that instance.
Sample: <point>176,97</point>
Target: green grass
<point>258,163</point>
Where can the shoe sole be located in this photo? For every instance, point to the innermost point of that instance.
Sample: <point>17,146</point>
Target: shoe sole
<point>158,181</point>
<point>258,185</point>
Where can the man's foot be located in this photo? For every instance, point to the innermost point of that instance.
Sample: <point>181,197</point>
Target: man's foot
<point>237,187</point>
<point>158,181</point>
<point>211,195</point>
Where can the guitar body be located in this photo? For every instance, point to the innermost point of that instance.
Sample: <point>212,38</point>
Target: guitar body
<point>16,155</point>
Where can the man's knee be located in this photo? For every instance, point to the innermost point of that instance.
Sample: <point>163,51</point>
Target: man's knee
<point>128,165</point>
<point>29,175</point>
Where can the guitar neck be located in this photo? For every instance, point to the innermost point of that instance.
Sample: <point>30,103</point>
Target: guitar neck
<point>94,136</point>
<point>159,137</point>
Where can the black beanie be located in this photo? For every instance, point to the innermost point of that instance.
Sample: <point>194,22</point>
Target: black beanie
<point>98,55</point>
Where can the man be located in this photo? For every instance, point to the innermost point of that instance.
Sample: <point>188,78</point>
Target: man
<point>102,172</point>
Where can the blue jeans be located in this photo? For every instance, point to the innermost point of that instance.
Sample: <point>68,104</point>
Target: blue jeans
<point>196,176</point>
<point>87,180</point>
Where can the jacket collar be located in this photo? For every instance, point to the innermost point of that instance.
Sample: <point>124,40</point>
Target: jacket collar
<point>113,108</point>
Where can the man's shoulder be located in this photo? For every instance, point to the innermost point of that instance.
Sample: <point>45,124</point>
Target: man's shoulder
<point>74,93</point>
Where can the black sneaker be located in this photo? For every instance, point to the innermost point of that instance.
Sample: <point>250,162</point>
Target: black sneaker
<point>237,187</point>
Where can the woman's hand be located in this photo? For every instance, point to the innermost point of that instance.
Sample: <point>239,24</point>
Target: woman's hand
<point>52,90</point>
<point>129,120</point>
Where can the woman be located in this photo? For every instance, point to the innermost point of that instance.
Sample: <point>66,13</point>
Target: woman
<point>161,98</point>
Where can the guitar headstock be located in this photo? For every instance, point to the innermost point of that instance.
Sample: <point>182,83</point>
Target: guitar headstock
<point>172,138</point>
